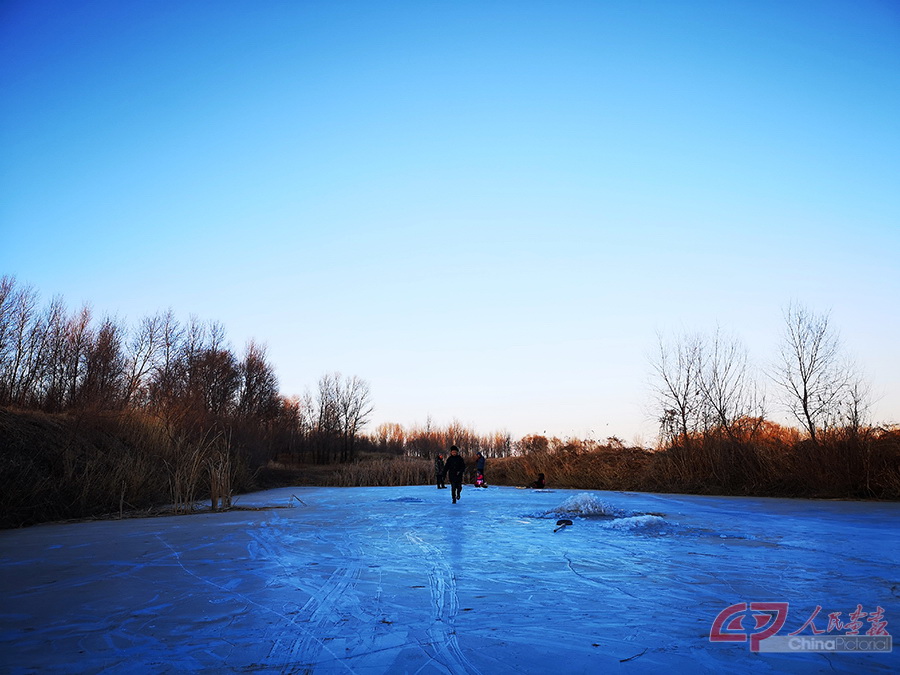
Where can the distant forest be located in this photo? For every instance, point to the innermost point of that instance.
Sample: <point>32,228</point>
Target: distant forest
<point>186,377</point>
<point>98,416</point>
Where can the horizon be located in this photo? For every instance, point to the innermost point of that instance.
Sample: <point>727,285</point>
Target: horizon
<point>487,212</point>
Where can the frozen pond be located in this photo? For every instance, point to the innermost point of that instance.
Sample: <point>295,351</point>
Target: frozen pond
<point>398,580</point>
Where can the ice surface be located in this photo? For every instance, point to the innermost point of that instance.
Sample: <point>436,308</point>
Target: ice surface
<point>399,580</point>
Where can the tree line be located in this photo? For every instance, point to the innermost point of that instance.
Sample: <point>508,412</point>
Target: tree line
<point>429,440</point>
<point>706,384</point>
<point>182,373</point>
<point>713,412</point>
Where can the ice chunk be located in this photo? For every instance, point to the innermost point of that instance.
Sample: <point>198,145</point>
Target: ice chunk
<point>645,523</point>
<point>585,505</point>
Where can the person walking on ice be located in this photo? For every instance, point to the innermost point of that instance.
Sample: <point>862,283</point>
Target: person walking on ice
<point>439,472</point>
<point>455,468</point>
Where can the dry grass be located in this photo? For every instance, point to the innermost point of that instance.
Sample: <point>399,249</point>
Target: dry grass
<point>59,467</point>
<point>600,468</point>
<point>865,465</point>
<point>383,471</point>
<point>368,470</point>
<point>862,465</point>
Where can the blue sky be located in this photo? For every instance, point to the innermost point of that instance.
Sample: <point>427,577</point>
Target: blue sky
<point>488,210</point>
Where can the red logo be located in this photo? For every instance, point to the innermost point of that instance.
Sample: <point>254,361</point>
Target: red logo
<point>768,617</point>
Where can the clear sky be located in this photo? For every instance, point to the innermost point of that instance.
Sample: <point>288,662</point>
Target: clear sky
<point>488,210</point>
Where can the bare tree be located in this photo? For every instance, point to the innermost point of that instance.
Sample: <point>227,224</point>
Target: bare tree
<point>258,395</point>
<point>344,406</point>
<point>22,338</point>
<point>53,385</point>
<point>8,322</point>
<point>327,427</point>
<point>678,390</point>
<point>305,412</point>
<point>425,441</point>
<point>144,349</point>
<point>218,378</point>
<point>104,377</point>
<point>858,400</point>
<point>812,377</point>
<point>78,340</point>
<point>730,394</point>
<point>463,437</point>
<point>297,417</point>
<point>327,416</point>
<point>167,381</point>
<point>193,344</point>
<point>391,437</point>
<point>354,409</point>
<point>498,444</point>
<point>207,375</point>
<point>534,444</point>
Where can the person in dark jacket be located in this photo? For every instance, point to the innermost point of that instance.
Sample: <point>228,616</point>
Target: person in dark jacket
<point>439,472</point>
<point>539,483</point>
<point>455,468</point>
<point>479,469</point>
